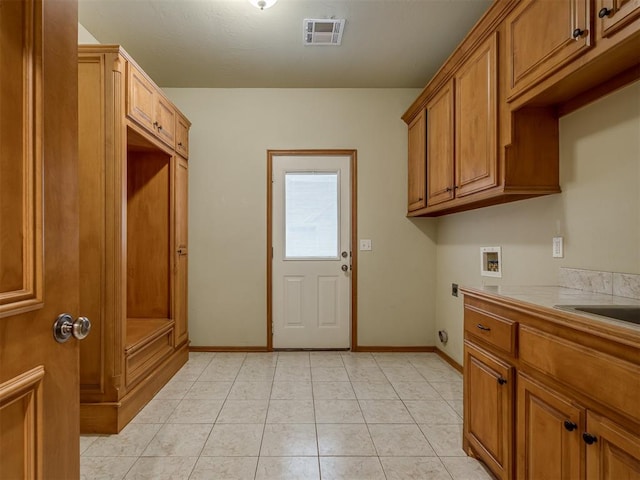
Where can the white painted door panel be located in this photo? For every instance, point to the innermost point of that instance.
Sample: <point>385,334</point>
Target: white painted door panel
<point>311,230</point>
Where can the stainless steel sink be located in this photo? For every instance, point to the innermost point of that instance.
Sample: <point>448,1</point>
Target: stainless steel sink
<point>626,313</point>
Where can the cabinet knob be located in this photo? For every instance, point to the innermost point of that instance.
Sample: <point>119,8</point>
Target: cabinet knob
<point>589,439</point>
<point>179,144</point>
<point>159,127</point>
<point>604,12</point>
<point>577,33</point>
<point>502,381</point>
<point>155,124</point>
<point>570,426</point>
<point>448,189</point>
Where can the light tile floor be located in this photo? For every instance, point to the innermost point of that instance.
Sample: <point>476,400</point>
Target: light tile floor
<point>294,415</point>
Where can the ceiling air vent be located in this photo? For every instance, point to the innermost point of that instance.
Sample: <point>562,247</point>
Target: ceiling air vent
<point>326,31</point>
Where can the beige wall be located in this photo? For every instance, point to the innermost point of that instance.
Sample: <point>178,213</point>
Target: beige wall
<point>598,214</point>
<point>84,36</point>
<point>232,130</point>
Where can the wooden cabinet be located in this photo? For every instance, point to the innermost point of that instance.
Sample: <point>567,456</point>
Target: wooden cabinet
<point>417,153</point>
<point>576,399</point>
<point>488,420</point>
<point>147,106</point>
<point>615,15</point>
<point>440,146</point>
<point>133,240</point>
<point>524,64</point>
<point>182,135</point>
<point>613,452</point>
<point>542,37</point>
<point>550,427</point>
<point>476,121</point>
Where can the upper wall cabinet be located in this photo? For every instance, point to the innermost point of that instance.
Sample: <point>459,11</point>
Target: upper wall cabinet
<point>491,112</point>
<point>182,135</point>
<point>543,36</point>
<point>148,106</point>
<point>417,145</point>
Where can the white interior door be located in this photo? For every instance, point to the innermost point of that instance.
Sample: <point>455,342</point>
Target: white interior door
<point>311,282</point>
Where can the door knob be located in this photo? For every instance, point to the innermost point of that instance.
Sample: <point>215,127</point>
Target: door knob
<point>64,327</point>
<point>345,268</point>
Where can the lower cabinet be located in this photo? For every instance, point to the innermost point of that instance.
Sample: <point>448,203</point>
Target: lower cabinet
<point>612,451</point>
<point>549,439</point>
<point>560,402</point>
<point>488,419</point>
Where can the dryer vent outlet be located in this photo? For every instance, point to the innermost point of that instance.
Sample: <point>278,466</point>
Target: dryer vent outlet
<point>443,336</point>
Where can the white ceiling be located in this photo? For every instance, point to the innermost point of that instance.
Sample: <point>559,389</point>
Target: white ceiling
<point>229,43</point>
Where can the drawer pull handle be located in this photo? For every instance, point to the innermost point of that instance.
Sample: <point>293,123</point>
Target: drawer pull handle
<point>570,426</point>
<point>483,328</point>
<point>589,439</point>
<point>604,12</point>
<point>502,381</point>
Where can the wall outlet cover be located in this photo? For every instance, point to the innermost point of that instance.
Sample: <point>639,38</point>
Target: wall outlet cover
<point>365,244</point>
<point>558,247</point>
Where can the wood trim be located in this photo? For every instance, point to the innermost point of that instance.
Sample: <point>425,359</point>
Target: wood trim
<point>619,81</point>
<point>393,349</point>
<point>229,349</point>
<point>354,235</point>
<point>449,360</point>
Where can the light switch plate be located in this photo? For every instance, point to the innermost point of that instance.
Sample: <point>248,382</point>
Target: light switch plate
<point>365,244</point>
<point>558,247</point>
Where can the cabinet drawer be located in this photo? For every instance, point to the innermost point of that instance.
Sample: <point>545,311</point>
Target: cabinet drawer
<point>604,378</point>
<point>493,329</point>
<point>146,356</point>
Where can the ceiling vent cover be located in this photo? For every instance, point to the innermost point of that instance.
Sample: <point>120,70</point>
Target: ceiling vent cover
<point>325,31</point>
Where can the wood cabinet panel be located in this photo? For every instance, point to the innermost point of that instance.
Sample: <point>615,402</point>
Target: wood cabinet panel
<point>476,121</point>
<point>499,332</point>
<point>417,163</point>
<point>440,146</point>
<point>614,15</point>
<point>543,36</point>
<point>182,135</point>
<point>181,243</point>
<point>549,427</point>
<point>488,409</point>
<point>615,454</point>
<point>166,119</point>
<point>581,368</point>
<point>140,98</point>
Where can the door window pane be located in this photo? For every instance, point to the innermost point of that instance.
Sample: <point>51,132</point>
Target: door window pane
<point>311,215</point>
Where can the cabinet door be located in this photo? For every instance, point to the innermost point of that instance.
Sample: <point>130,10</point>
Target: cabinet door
<point>165,119</point>
<point>440,146</point>
<point>488,409</point>
<point>417,162</point>
<point>613,15</point>
<point>181,187</point>
<point>549,433</point>
<point>182,135</point>
<point>614,453</point>
<point>140,98</point>
<point>542,37</point>
<point>476,121</point>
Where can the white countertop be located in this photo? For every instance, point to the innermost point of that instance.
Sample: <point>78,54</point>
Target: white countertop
<point>550,296</point>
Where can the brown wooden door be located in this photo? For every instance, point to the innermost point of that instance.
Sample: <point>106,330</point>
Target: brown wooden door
<point>476,121</point>
<point>417,162</point>
<point>488,409</point>
<point>181,186</point>
<point>549,433</point>
<point>440,140</point>
<point>615,451</point>
<point>542,37</point>
<point>39,383</point>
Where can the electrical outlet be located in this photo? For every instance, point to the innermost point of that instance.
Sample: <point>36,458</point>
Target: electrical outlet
<point>558,247</point>
<point>454,289</point>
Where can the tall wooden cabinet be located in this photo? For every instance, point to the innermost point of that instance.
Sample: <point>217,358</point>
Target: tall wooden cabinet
<point>133,238</point>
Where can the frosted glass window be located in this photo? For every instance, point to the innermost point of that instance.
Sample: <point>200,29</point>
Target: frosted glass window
<point>311,215</point>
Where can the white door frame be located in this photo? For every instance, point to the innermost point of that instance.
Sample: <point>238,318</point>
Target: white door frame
<point>353,241</point>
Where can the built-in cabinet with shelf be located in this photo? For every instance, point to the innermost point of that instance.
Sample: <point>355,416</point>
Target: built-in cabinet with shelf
<point>522,66</point>
<point>571,385</point>
<point>133,238</point>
